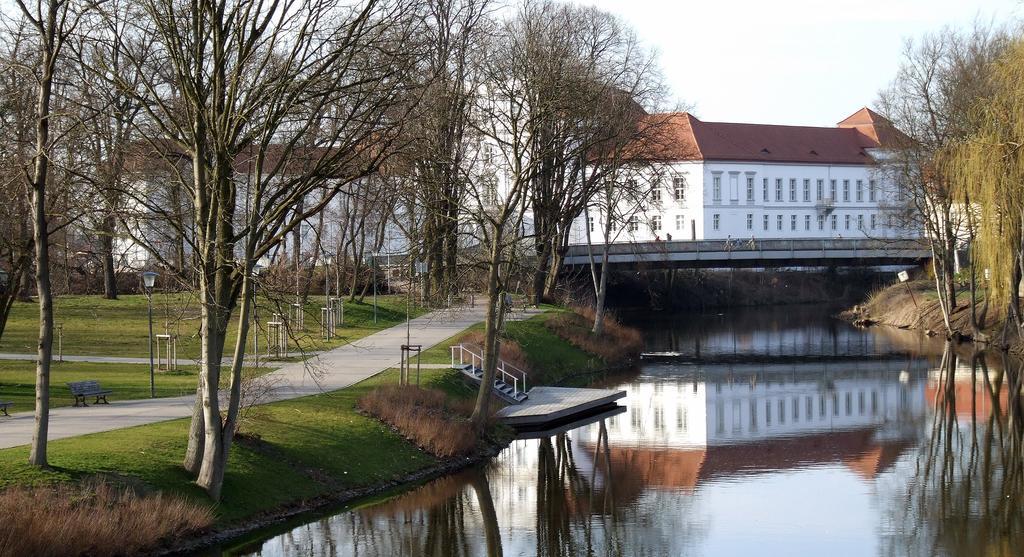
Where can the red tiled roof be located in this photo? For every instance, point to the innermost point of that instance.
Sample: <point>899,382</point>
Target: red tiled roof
<point>688,138</point>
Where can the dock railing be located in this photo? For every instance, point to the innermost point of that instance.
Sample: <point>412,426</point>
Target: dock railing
<point>506,373</point>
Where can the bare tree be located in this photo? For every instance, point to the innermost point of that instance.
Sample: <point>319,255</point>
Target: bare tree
<point>17,117</point>
<point>263,106</point>
<point>53,22</point>
<point>929,102</point>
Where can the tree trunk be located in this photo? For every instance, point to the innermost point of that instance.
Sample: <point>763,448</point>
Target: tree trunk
<point>107,256</point>
<point>492,325</point>
<point>196,435</point>
<point>40,237</point>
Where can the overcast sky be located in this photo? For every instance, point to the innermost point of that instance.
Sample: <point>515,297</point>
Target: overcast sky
<point>800,62</point>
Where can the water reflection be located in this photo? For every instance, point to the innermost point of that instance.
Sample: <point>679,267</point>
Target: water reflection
<point>894,455</point>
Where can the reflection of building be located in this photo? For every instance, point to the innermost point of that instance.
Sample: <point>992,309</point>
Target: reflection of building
<point>677,432</point>
<point>970,394</point>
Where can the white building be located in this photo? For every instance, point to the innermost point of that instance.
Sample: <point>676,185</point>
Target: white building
<point>729,180</point>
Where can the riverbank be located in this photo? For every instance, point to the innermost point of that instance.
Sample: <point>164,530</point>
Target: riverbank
<point>914,305</point>
<point>291,457</point>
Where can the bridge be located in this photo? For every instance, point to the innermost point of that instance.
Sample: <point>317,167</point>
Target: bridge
<point>750,253</point>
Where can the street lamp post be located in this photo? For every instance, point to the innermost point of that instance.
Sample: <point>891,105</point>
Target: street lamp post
<point>148,280</point>
<point>327,295</point>
<point>375,289</point>
<point>256,270</point>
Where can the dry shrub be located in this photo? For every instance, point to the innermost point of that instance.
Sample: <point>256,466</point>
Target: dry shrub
<point>510,351</point>
<point>93,520</point>
<point>617,343</point>
<point>425,417</point>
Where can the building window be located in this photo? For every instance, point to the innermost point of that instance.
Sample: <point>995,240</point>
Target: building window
<point>778,222</point>
<point>792,189</point>
<point>764,189</point>
<point>716,191</point>
<point>892,222</point>
<point>873,219</point>
<point>807,222</point>
<point>767,413</point>
<point>750,221</point>
<point>750,189</point>
<point>860,191</point>
<point>807,190</point>
<point>792,222</point>
<point>778,189</point>
<point>611,225</point>
<point>714,221</point>
<point>634,224</point>
<point>860,222</point>
<point>680,221</point>
<point>679,188</point>
<point>782,411</point>
<point>590,221</point>
<point>901,193</point>
<point>833,222</point>
<point>871,190</point>
<point>821,222</point>
<point>655,223</point>
<point>847,219</point>
<point>656,195</point>
<point>832,190</point>
<point>846,190</point>
<point>821,189</point>
<point>766,222</point>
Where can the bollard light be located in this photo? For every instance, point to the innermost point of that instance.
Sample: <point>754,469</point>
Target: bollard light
<point>149,279</point>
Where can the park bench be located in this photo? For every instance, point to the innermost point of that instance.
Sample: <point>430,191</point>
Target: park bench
<point>4,406</point>
<point>82,389</point>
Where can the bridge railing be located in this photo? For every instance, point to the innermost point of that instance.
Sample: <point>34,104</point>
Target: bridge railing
<point>756,245</point>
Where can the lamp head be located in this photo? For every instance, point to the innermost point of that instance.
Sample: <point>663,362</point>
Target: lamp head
<point>329,260</point>
<point>149,279</point>
<point>257,269</point>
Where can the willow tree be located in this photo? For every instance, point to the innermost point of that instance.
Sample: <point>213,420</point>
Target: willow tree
<point>929,104</point>
<point>989,168</point>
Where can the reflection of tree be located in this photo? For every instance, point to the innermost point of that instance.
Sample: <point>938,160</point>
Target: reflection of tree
<point>966,492</point>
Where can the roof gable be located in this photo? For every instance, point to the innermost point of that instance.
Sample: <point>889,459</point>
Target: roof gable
<point>685,137</point>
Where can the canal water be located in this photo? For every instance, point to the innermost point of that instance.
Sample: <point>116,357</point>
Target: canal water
<point>786,432</point>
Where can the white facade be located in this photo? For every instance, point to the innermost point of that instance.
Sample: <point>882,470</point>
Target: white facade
<point>722,199</point>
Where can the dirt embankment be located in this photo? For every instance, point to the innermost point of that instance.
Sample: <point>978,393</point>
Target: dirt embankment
<point>914,305</point>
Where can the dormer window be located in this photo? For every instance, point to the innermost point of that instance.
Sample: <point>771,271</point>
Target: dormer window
<point>766,151</point>
<point>813,152</point>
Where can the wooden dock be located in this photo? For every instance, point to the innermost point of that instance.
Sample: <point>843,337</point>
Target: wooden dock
<point>547,406</point>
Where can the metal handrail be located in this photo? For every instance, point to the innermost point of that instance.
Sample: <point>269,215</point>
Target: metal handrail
<point>509,374</point>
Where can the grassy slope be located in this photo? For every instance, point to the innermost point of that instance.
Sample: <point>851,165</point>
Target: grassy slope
<point>128,381</point>
<point>292,450</point>
<point>97,327</point>
<point>551,358</point>
<point>306,447</point>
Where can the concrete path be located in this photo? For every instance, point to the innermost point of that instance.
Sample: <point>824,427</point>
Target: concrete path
<point>264,362</point>
<point>329,371</point>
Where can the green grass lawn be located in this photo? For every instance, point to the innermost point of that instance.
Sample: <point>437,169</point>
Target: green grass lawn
<point>551,358</point>
<point>128,381</point>
<point>93,326</point>
<point>292,450</point>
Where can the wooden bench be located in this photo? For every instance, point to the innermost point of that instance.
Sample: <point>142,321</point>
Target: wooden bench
<point>4,406</point>
<point>82,389</point>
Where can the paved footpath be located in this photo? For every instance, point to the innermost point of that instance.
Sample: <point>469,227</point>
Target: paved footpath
<point>329,371</point>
